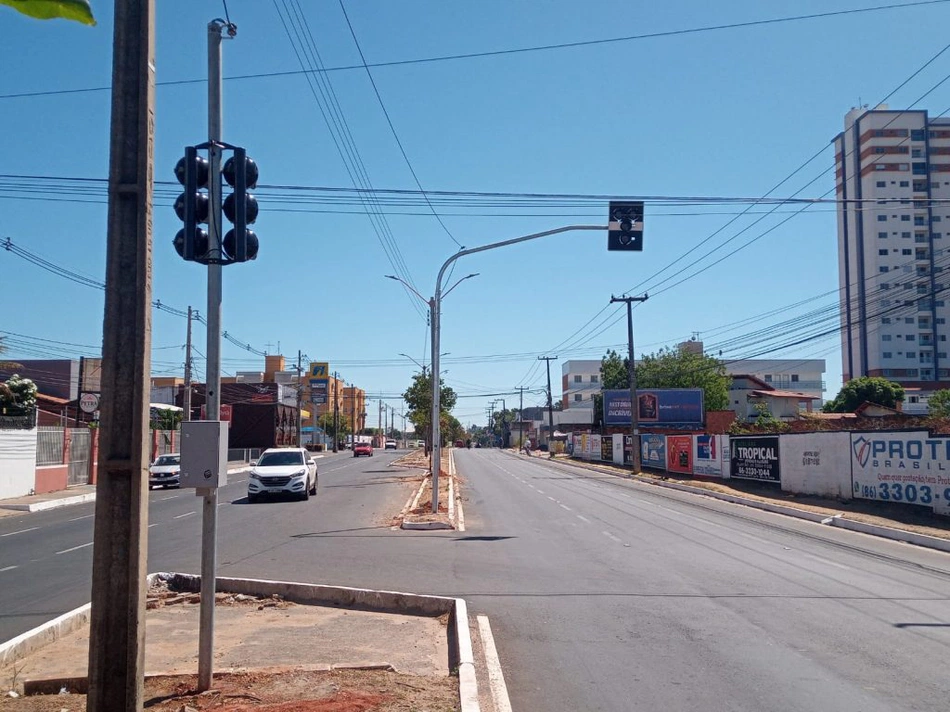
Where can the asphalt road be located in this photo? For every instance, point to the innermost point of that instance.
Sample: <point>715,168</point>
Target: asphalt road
<point>603,594</point>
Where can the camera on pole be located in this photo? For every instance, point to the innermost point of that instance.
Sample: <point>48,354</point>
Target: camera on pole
<point>240,207</point>
<point>192,206</point>
<point>625,228</point>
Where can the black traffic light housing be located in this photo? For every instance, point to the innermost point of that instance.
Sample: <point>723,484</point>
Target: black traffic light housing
<point>193,207</point>
<point>625,228</point>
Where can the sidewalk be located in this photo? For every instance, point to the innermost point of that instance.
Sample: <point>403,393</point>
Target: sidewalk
<point>80,494</point>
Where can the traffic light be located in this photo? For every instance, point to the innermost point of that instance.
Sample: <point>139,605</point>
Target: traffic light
<point>625,229</point>
<point>240,207</point>
<point>192,206</point>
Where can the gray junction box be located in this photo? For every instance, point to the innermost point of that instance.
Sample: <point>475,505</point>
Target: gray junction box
<point>204,453</point>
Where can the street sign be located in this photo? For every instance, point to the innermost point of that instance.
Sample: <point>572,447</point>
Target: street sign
<point>319,369</point>
<point>319,388</point>
<point>89,402</point>
<point>625,226</point>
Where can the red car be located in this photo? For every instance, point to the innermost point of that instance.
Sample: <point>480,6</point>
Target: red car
<point>362,449</point>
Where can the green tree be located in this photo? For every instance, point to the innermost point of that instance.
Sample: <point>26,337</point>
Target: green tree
<point>77,10</point>
<point>866,389</point>
<point>17,395</point>
<point>418,397</point>
<point>165,419</point>
<point>939,404</point>
<point>613,371</point>
<point>325,421</point>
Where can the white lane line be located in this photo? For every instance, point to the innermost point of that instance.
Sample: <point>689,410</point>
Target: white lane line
<point>81,546</point>
<point>583,518</point>
<point>186,514</point>
<point>540,491</point>
<point>496,678</point>
<point>155,525</point>
<point>611,536</point>
<point>20,531</point>
<point>162,499</point>
<point>85,517</point>
<point>7,568</point>
<point>552,498</point>
<point>562,506</point>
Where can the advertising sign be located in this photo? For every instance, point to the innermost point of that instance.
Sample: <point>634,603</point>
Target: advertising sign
<point>225,412</point>
<point>89,402</point>
<point>679,454</point>
<point>607,448</point>
<point>594,442</point>
<point>754,458</point>
<point>653,451</point>
<point>659,406</point>
<point>901,467</point>
<point>817,463</point>
<point>319,388</point>
<point>708,455</point>
<point>319,369</point>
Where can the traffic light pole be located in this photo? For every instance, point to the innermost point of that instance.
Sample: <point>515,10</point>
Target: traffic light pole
<point>209,512</point>
<point>632,377</point>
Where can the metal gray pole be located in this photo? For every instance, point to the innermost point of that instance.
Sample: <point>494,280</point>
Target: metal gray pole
<point>434,305</point>
<point>209,509</point>
<point>186,396</point>
<point>117,619</point>
<point>632,378</point>
<point>548,360</point>
<point>299,400</point>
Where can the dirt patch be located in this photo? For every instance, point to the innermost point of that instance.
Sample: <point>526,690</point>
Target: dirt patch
<point>281,691</point>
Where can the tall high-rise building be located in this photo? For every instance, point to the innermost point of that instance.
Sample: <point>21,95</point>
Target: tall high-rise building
<point>892,174</point>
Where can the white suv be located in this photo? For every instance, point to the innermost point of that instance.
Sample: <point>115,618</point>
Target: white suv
<point>283,470</point>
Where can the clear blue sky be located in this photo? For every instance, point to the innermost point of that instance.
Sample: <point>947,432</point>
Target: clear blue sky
<point>724,113</point>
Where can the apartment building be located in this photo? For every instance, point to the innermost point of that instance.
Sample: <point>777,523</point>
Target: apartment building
<point>580,380</point>
<point>893,181</point>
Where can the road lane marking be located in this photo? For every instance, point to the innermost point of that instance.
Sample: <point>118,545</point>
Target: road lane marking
<point>611,536</point>
<point>21,531</point>
<point>85,517</point>
<point>7,568</point>
<point>162,499</point>
<point>583,518</point>
<point>186,514</point>
<point>81,546</point>
<point>153,525</point>
<point>563,506</point>
<point>552,498</point>
<point>540,491</point>
<point>496,678</point>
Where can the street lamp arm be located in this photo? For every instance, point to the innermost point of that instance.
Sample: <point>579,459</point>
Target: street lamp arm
<point>408,286</point>
<point>446,293</point>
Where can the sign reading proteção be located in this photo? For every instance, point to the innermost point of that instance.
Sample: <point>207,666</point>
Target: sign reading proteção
<point>754,458</point>
<point>660,406</point>
<point>901,467</point>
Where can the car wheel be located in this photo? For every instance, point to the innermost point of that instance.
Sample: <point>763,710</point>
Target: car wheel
<point>313,490</point>
<point>305,495</point>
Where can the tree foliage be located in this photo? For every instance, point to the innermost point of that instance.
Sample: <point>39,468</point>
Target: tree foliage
<point>76,10</point>
<point>938,405</point>
<point>866,389</point>
<point>326,422</point>
<point>671,368</point>
<point>418,397</point>
<point>17,395</point>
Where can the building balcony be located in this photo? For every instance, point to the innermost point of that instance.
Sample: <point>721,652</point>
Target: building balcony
<point>798,386</point>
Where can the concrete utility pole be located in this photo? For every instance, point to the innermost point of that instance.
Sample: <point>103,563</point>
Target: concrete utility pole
<point>632,378</point>
<point>548,360</point>
<point>336,411</point>
<point>353,408</point>
<point>379,429</point>
<point>299,399</point>
<point>491,424</point>
<point>186,396</point>
<point>117,619</point>
<point>521,417</point>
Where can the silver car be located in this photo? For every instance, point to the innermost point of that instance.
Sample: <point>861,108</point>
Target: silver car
<point>286,470</point>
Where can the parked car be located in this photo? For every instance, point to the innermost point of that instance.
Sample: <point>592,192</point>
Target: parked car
<point>285,470</point>
<point>363,449</point>
<point>165,471</point>
<point>391,445</point>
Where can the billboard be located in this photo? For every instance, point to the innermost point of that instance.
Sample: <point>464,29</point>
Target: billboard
<point>709,454</point>
<point>607,448</point>
<point>653,451</point>
<point>908,467</point>
<point>679,454</point>
<point>655,406</point>
<point>817,463</point>
<point>754,458</point>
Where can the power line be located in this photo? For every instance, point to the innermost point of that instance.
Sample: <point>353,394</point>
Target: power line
<point>511,51</point>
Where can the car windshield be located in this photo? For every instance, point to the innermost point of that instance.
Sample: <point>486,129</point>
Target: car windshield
<point>276,459</point>
<point>169,460</point>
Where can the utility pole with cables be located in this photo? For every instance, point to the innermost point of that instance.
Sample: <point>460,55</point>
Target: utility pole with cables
<point>547,360</point>
<point>299,398</point>
<point>632,377</point>
<point>186,396</point>
<point>336,411</point>
<point>521,417</point>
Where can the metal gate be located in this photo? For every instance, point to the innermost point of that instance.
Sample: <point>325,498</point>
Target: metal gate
<point>80,444</point>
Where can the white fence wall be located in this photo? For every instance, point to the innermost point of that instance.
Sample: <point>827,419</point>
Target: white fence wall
<point>816,463</point>
<point>17,462</point>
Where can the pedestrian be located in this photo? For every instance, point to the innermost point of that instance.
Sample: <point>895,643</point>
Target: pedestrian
<point>527,448</point>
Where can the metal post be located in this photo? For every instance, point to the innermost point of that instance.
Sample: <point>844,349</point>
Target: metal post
<point>434,305</point>
<point>186,396</point>
<point>632,378</point>
<point>117,619</point>
<point>299,400</point>
<point>548,360</point>
<point>336,411</point>
<point>209,509</point>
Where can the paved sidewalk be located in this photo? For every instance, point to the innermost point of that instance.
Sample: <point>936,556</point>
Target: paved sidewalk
<point>64,498</point>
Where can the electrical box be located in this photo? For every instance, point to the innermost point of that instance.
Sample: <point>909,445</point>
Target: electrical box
<point>204,453</point>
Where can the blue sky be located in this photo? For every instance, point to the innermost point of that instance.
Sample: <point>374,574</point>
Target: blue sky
<point>726,113</point>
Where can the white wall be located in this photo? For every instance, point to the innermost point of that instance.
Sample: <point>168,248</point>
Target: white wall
<point>17,462</point>
<point>816,463</point>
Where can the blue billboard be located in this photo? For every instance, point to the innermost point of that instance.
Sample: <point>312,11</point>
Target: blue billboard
<point>655,406</point>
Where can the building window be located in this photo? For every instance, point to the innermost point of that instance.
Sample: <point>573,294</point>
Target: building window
<point>908,320</point>
<point>920,186</point>
<point>919,220</point>
<point>911,337</point>
<point>935,184</point>
<point>578,397</point>
<point>882,218</point>
<point>886,337</point>
<point>940,354</point>
<point>885,302</point>
<point>883,268</point>
<point>883,252</point>
<point>882,184</point>
<point>943,337</point>
<point>935,218</point>
<point>794,378</point>
<point>886,320</point>
<point>936,235</point>
<point>916,153</point>
<point>768,378</point>
<point>939,302</point>
<point>907,251</point>
<point>595,379</point>
<point>885,286</point>
<point>905,184</point>
<point>917,135</point>
<point>905,235</point>
<point>905,218</point>
<point>578,379</point>
<point>911,354</point>
<point>882,235</point>
<point>941,320</point>
<point>886,354</point>
<point>920,169</point>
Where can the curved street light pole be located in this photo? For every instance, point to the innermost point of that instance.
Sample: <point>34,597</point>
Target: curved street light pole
<point>435,305</point>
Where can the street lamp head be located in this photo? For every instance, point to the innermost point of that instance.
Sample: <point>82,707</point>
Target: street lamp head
<point>391,276</point>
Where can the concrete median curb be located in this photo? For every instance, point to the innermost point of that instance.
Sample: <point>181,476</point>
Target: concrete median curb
<point>51,503</point>
<point>43,635</point>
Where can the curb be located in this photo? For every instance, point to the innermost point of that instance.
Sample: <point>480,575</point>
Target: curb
<point>924,540</point>
<point>427,525</point>
<point>459,637</point>
<point>51,503</point>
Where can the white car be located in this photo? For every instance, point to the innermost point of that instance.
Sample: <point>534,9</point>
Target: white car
<point>165,471</point>
<point>391,445</point>
<point>284,470</point>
